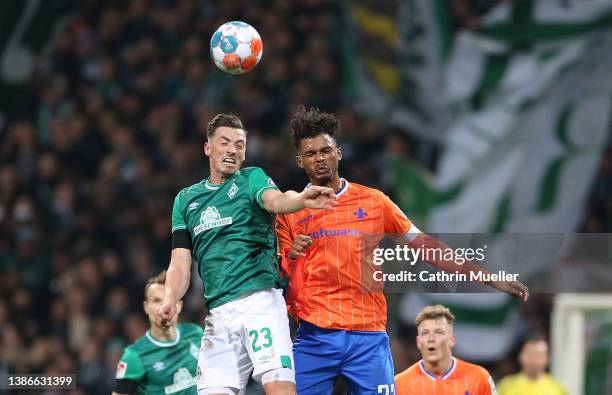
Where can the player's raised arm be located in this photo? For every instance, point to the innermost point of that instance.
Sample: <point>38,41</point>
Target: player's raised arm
<point>177,283</point>
<point>314,197</point>
<point>396,222</point>
<point>423,240</point>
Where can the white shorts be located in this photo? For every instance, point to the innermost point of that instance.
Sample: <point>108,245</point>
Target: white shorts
<point>250,334</point>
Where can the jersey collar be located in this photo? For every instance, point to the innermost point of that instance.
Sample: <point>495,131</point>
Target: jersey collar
<point>160,343</point>
<point>444,376</point>
<point>343,188</point>
<point>212,186</point>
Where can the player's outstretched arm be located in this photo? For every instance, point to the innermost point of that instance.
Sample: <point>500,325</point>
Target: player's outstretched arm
<point>422,240</point>
<point>177,283</point>
<point>314,197</point>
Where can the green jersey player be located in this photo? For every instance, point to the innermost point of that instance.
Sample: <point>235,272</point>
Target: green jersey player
<point>164,360</point>
<point>225,223</point>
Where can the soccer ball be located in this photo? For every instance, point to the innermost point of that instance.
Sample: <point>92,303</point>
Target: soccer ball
<point>236,47</point>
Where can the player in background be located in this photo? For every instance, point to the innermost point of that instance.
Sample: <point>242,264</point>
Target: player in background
<point>343,320</point>
<point>438,372</point>
<point>165,359</point>
<point>224,221</point>
<point>533,378</point>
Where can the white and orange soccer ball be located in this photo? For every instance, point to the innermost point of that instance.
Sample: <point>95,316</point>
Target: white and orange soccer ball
<point>236,47</point>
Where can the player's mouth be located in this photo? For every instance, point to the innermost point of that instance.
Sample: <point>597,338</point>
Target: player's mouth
<point>229,161</point>
<point>321,169</point>
<point>431,350</point>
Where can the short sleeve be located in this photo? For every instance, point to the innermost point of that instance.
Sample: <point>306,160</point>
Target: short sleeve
<point>129,366</point>
<point>395,221</point>
<point>259,182</point>
<point>283,234</point>
<point>486,384</point>
<point>199,330</point>
<point>490,386</point>
<point>178,217</point>
<point>402,382</point>
<point>293,268</point>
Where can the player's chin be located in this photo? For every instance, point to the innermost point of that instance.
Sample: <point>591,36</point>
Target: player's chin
<point>230,168</point>
<point>322,178</point>
<point>432,357</point>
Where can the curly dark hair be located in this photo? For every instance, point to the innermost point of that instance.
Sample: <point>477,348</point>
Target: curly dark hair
<point>229,120</point>
<point>311,123</point>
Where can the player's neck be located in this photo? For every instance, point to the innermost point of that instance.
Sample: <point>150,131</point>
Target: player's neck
<point>216,177</point>
<point>334,183</point>
<point>534,376</point>
<point>439,368</point>
<point>164,335</point>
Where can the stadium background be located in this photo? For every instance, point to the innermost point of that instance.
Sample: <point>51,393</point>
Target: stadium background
<point>102,105</point>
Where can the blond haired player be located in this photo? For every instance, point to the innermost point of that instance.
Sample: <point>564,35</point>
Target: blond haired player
<point>438,372</point>
<point>164,360</point>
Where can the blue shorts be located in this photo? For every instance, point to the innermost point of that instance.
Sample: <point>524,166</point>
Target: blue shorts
<point>363,359</point>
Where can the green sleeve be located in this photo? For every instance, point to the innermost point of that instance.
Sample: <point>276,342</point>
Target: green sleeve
<point>259,181</point>
<point>199,330</point>
<point>129,366</point>
<point>178,219</point>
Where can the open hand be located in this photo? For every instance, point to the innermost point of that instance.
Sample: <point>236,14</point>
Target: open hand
<point>319,198</point>
<point>514,288</point>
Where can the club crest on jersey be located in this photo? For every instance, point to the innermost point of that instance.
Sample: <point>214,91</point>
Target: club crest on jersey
<point>159,366</point>
<point>209,219</point>
<point>233,191</point>
<point>361,214</point>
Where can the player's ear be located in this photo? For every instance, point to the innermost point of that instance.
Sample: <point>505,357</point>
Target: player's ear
<point>339,153</point>
<point>206,149</point>
<point>298,160</point>
<point>453,341</point>
<point>145,307</point>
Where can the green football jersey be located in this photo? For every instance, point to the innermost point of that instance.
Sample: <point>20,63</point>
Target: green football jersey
<point>163,367</point>
<point>231,234</point>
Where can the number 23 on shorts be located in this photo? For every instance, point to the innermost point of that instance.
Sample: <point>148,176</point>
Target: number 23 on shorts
<point>260,338</point>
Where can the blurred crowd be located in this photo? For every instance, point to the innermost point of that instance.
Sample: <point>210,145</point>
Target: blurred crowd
<point>111,129</point>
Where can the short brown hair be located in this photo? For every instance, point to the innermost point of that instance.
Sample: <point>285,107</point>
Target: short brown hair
<point>535,338</point>
<point>311,123</point>
<point>433,313</point>
<point>220,120</point>
<point>159,279</point>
